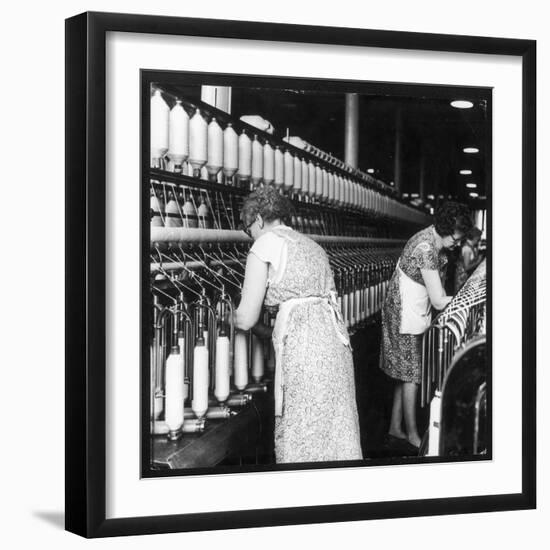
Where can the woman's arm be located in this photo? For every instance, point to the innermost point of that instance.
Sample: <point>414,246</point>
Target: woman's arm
<point>255,280</point>
<point>437,295</point>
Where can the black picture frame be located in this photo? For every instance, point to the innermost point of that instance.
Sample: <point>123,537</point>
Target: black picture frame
<point>86,280</point>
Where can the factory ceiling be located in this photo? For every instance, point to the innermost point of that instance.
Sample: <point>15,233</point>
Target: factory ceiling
<point>433,133</point>
<point>430,128</point>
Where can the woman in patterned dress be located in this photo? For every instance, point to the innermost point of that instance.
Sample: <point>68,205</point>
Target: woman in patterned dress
<point>415,287</point>
<point>315,408</point>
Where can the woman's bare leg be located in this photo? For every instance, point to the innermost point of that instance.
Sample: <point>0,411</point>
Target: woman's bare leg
<point>397,412</point>
<point>409,408</point>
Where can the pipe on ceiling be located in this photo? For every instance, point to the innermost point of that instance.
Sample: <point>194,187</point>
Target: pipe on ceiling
<point>352,130</point>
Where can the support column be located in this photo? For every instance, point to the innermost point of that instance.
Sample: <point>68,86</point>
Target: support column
<point>422,182</point>
<point>352,130</point>
<point>397,164</point>
<point>217,96</point>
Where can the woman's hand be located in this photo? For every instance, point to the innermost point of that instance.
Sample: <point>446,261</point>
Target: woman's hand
<point>437,295</point>
<point>261,330</point>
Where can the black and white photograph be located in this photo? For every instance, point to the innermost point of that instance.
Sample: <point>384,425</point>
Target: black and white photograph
<point>300,275</point>
<point>275,275</point>
<point>316,261</point>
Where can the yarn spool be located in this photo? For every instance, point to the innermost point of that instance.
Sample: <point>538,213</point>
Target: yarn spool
<point>257,359</point>
<point>160,114</point>
<point>325,184</point>
<point>245,157</point>
<point>305,177</point>
<point>203,215</point>
<point>178,150</point>
<point>311,179</point>
<point>298,175</point>
<point>279,168</point>
<point>215,150</point>
<point>173,391</point>
<point>198,143</point>
<point>257,161</point>
<point>230,151</point>
<point>190,218</point>
<point>269,164</point>
<point>157,208</point>
<point>240,366</point>
<point>288,171</point>
<point>221,387</point>
<point>172,217</point>
<point>199,403</point>
<point>318,181</point>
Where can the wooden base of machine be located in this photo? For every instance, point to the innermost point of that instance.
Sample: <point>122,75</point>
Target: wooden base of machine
<point>246,435</point>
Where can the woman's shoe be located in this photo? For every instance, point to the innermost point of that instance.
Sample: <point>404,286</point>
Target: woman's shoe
<point>392,440</point>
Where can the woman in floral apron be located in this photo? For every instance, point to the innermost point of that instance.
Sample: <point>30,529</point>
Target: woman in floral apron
<point>315,408</point>
<point>415,287</point>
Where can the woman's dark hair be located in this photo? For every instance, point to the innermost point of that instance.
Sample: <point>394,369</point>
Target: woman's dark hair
<point>452,217</point>
<point>269,203</point>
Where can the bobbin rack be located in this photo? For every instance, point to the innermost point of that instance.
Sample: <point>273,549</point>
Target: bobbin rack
<point>210,401</point>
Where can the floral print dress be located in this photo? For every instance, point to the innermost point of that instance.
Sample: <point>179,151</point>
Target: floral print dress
<point>319,419</point>
<point>401,356</point>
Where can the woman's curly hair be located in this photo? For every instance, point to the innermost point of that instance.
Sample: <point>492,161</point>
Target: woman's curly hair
<point>269,203</point>
<point>452,217</point>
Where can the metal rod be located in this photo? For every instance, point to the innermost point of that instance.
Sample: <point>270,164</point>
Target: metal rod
<point>186,235</point>
<point>352,130</point>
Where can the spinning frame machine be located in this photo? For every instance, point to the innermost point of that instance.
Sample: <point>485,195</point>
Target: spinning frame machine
<point>209,398</point>
<point>455,372</point>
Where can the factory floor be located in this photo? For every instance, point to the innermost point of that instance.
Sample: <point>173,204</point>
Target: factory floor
<point>374,391</point>
<point>374,397</point>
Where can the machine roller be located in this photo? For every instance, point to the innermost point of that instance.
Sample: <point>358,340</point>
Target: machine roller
<point>461,322</point>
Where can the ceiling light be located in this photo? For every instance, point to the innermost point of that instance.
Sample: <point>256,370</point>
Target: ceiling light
<point>370,171</point>
<point>466,172</point>
<point>414,195</point>
<point>405,195</point>
<point>431,197</point>
<point>471,150</point>
<point>471,185</point>
<point>461,104</point>
<point>474,195</point>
